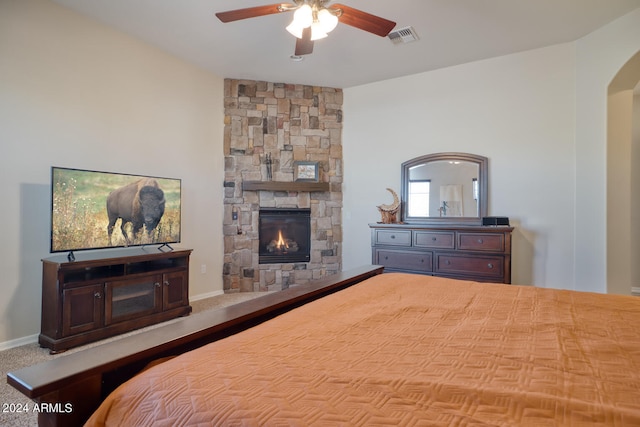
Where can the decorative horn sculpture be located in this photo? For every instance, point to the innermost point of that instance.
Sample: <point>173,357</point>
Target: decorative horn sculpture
<point>389,212</point>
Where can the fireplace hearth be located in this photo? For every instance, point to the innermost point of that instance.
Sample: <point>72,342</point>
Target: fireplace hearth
<point>285,235</point>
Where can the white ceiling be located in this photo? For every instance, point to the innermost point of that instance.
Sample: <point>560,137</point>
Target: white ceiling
<point>451,32</point>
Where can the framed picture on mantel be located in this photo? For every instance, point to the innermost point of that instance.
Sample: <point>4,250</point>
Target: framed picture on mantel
<point>305,171</point>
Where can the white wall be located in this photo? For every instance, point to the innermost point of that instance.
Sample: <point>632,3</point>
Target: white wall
<point>635,192</point>
<point>516,110</point>
<point>75,93</point>
<point>540,118</point>
<point>619,200</point>
<point>599,57</point>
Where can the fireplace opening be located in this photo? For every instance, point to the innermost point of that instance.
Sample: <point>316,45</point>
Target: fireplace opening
<point>285,235</point>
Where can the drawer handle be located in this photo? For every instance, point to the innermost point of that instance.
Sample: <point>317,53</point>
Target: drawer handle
<point>386,258</point>
<point>480,241</point>
<point>393,236</point>
<point>434,238</point>
<point>97,295</point>
<point>447,262</point>
<point>490,265</point>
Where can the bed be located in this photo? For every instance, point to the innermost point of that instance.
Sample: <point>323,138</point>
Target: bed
<point>400,349</point>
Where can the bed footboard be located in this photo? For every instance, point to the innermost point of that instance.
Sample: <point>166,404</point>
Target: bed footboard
<point>73,386</point>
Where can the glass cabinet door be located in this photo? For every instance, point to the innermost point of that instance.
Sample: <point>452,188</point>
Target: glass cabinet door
<point>131,298</point>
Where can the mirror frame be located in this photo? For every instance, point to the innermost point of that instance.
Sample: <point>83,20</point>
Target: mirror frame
<point>483,192</point>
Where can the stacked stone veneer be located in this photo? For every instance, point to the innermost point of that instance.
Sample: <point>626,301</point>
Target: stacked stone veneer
<point>291,123</point>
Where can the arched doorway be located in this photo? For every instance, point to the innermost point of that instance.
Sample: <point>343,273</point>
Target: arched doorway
<point>623,180</point>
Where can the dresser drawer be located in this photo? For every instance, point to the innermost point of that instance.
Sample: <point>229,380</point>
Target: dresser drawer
<point>434,239</point>
<point>481,242</point>
<point>405,260</point>
<point>486,266</point>
<point>393,237</point>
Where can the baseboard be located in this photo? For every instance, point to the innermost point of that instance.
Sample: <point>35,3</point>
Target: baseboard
<point>18,342</point>
<point>205,296</point>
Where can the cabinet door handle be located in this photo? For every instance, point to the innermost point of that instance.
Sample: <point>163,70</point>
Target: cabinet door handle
<point>97,295</point>
<point>490,265</point>
<point>157,284</point>
<point>166,283</point>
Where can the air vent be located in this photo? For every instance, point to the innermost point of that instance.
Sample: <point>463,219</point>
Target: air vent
<point>403,35</point>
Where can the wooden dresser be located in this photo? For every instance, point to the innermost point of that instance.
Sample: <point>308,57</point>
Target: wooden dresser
<point>469,252</point>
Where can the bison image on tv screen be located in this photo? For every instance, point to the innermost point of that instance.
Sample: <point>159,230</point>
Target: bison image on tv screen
<point>96,210</point>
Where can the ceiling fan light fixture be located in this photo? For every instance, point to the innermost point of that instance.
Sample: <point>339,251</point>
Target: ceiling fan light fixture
<point>304,15</point>
<point>327,20</point>
<point>302,18</point>
<point>317,32</point>
<point>294,29</point>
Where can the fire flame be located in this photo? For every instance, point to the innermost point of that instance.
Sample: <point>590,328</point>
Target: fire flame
<point>281,244</point>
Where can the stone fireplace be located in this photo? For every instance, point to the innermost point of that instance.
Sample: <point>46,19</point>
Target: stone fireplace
<point>268,128</point>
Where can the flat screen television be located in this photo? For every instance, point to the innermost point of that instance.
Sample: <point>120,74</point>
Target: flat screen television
<point>97,210</point>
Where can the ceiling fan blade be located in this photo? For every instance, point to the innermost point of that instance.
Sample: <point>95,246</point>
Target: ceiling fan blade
<point>252,12</point>
<point>304,46</point>
<point>364,21</point>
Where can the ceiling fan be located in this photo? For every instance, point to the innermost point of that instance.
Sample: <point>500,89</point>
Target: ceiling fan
<point>313,20</point>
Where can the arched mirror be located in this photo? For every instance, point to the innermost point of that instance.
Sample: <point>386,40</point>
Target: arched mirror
<point>444,188</point>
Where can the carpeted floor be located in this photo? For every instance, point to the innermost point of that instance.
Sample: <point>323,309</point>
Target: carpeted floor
<point>12,401</point>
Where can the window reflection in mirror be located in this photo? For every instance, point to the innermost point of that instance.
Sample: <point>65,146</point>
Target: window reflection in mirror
<point>418,202</point>
<point>453,192</point>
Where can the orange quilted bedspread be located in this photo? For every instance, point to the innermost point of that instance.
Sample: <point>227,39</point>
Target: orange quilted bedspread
<point>409,350</point>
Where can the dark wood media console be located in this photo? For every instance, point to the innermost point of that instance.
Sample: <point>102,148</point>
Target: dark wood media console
<point>83,379</point>
<point>98,296</point>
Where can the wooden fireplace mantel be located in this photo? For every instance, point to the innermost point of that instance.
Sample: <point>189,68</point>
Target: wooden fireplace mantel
<point>285,186</point>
